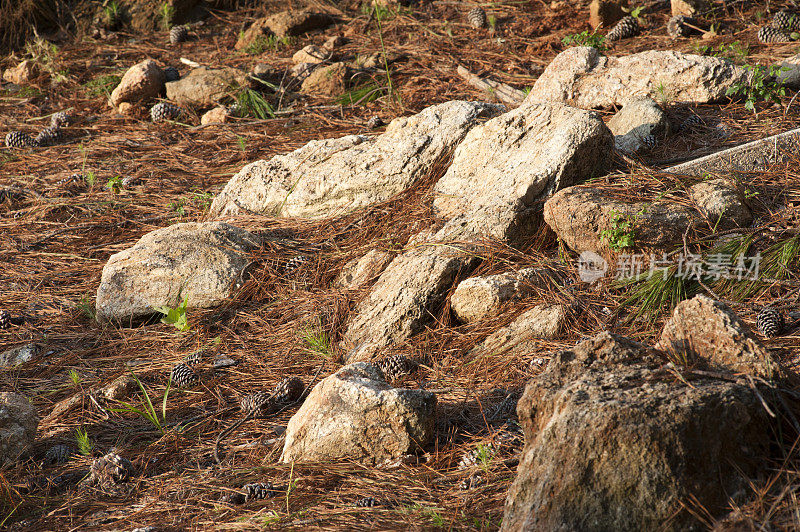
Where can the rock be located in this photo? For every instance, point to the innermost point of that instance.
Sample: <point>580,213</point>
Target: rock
<point>582,77</point>
<point>355,415</point>
<point>579,215</point>
<point>18,423</point>
<point>721,204</point>
<point>480,297</point>
<point>614,442</point>
<point>22,74</point>
<point>120,388</point>
<point>310,54</point>
<point>334,42</point>
<point>689,8</point>
<point>789,72</point>
<point>329,177</point>
<point>205,87</point>
<point>604,13</point>
<point>204,262</point>
<point>18,355</point>
<point>329,80</point>
<point>544,148</point>
<point>407,293</point>
<point>362,270</point>
<point>142,81</point>
<point>217,115</point>
<point>303,70</point>
<point>707,330</point>
<point>288,23</point>
<point>636,120</point>
<point>257,30</point>
<point>755,156</point>
<point>542,322</point>
<point>128,109</point>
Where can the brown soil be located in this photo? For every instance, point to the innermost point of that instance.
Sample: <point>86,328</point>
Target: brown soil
<point>55,238</point>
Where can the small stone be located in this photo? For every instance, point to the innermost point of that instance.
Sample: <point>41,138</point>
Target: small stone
<point>310,54</point>
<point>171,74</point>
<point>17,355</point>
<point>374,122</point>
<point>217,115</point>
<point>21,74</point>
<point>327,81</point>
<point>122,387</point>
<point>142,81</point>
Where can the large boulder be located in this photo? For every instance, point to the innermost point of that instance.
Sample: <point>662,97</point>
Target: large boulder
<point>329,177</point>
<point>583,77</point>
<point>204,87</point>
<point>355,415</point>
<point>505,167</point>
<point>615,442</point>
<point>204,262</point>
<point>707,330</point>
<point>142,81</point>
<point>18,422</point>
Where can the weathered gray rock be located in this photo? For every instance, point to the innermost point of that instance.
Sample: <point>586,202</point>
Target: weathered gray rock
<point>362,270</point>
<point>755,156</point>
<point>355,415</point>
<point>637,120</point>
<point>503,168</point>
<point>579,215</point>
<point>204,262</point>
<point>704,329</point>
<point>614,442</point>
<point>582,77</point>
<point>480,297</point>
<point>328,80</point>
<point>790,72</point>
<point>205,87</point>
<point>721,203</point>
<point>542,322</point>
<point>18,422</point>
<point>401,301</point>
<point>297,22</point>
<point>329,177</point>
<point>18,355</point>
<point>142,81</point>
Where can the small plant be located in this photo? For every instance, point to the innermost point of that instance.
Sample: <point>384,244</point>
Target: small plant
<point>90,178</point>
<point>85,307</point>
<point>621,233</point>
<point>75,377</point>
<point>102,86</point>
<point>44,54</point>
<point>492,21</point>
<point>585,38</point>
<point>85,444</point>
<point>764,86</point>
<point>114,184</point>
<point>147,410</point>
<point>179,206</point>
<point>379,12</point>
<point>362,94</point>
<point>241,142</point>
<point>484,454</point>
<point>263,43</point>
<point>111,13</point>
<point>252,103</point>
<point>176,316</point>
<point>317,341</point>
<point>167,14</point>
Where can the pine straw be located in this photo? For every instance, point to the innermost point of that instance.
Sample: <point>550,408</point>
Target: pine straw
<point>54,240</point>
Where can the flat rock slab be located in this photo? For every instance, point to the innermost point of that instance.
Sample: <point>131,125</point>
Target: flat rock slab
<point>205,87</point>
<point>503,168</point>
<point>204,262</point>
<point>480,297</point>
<point>325,178</point>
<point>614,442</point>
<point>756,156</point>
<point>355,415</point>
<point>583,77</point>
<point>707,330</point>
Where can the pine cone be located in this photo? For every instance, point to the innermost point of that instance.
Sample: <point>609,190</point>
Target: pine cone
<point>770,322</point>
<point>294,264</point>
<point>691,122</point>
<point>183,376</point>
<point>164,111</point>
<point>506,409</point>
<point>60,119</point>
<point>47,136</point>
<point>396,366</point>
<point>5,319</point>
<point>367,502</point>
<point>769,35</point>
<point>374,122</point>
<point>254,403</point>
<point>288,390</point>
<point>677,26</point>
<point>625,28</point>
<point>178,34</point>
<point>258,490</point>
<point>192,359</point>
<point>58,454</point>
<point>650,141</point>
<point>786,22</point>
<point>17,139</point>
<point>477,17</point>
<point>109,470</point>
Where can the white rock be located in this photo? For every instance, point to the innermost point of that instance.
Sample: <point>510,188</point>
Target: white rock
<point>329,177</point>
<point>355,415</point>
<point>480,297</point>
<point>18,423</point>
<point>202,261</point>
<point>582,77</point>
<point>18,355</point>
<point>142,81</point>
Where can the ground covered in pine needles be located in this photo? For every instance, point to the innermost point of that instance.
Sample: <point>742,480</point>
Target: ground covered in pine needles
<point>56,233</point>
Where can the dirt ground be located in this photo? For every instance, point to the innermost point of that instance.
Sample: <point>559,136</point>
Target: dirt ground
<point>56,234</point>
